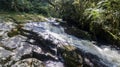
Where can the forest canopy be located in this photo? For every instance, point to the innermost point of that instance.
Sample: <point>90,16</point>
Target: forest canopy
<point>92,16</point>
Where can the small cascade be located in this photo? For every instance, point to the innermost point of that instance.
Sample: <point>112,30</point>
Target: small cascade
<point>56,32</point>
<point>44,41</point>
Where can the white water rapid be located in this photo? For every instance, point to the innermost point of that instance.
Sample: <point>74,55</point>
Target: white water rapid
<point>53,31</point>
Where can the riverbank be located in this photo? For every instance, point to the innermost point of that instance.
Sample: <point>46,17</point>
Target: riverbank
<point>21,17</point>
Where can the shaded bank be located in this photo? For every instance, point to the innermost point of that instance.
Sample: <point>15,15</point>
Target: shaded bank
<point>100,19</point>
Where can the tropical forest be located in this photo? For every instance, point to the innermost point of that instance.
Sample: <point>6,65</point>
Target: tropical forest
<point>59,33</point>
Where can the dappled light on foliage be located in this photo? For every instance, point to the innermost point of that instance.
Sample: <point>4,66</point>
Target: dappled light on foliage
<point>59,33</point>
<point>92,16</point>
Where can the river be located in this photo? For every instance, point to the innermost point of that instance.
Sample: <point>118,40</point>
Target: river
<point>13,48</point>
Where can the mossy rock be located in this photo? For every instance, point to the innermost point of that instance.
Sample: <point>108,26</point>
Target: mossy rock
<point>58,20</point>
<point>15,31</point>
<point>78,33</point>
<point>71,57</point>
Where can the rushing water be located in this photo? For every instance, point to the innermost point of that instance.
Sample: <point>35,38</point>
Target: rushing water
<point>52,31</point>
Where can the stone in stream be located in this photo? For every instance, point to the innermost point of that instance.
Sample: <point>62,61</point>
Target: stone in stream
<point>48,45</point>
<point>71,57</point>
<point>26,49</point>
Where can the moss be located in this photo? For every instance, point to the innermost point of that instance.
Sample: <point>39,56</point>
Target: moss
<point>13,33</point>
<point>21,17</point>
<point>71,57</point>
<point>69,48</point>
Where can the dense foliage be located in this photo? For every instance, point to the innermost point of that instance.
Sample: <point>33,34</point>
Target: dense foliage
<point>92,16</point>
<point>29,6</point>
<point>98,17</point>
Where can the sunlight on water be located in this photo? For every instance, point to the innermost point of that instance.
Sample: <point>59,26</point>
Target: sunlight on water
<point>52,31</point>
<point>106,54</point>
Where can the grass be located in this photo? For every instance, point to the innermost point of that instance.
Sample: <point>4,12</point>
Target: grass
<point>21,17</point>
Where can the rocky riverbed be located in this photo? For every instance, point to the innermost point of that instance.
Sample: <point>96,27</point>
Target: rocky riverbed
<point>46,44</point>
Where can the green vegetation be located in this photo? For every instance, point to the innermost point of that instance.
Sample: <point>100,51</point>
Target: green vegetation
<point>21,17</point>
<point>72,57</point>
<point>93,17</point>
<point>100,18</point>
<point>28,6</point>
<point>23,10</point>
<point>97,20</point>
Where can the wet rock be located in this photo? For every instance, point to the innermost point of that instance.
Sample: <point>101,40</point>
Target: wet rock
<point>79,33</point>
<point>30,62</point>
<point>1,21</point>
<point>71,57</point>
<point>48,44</point>
<point>76,32</point>
<point>15,31</point>
<point>58,20</point>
